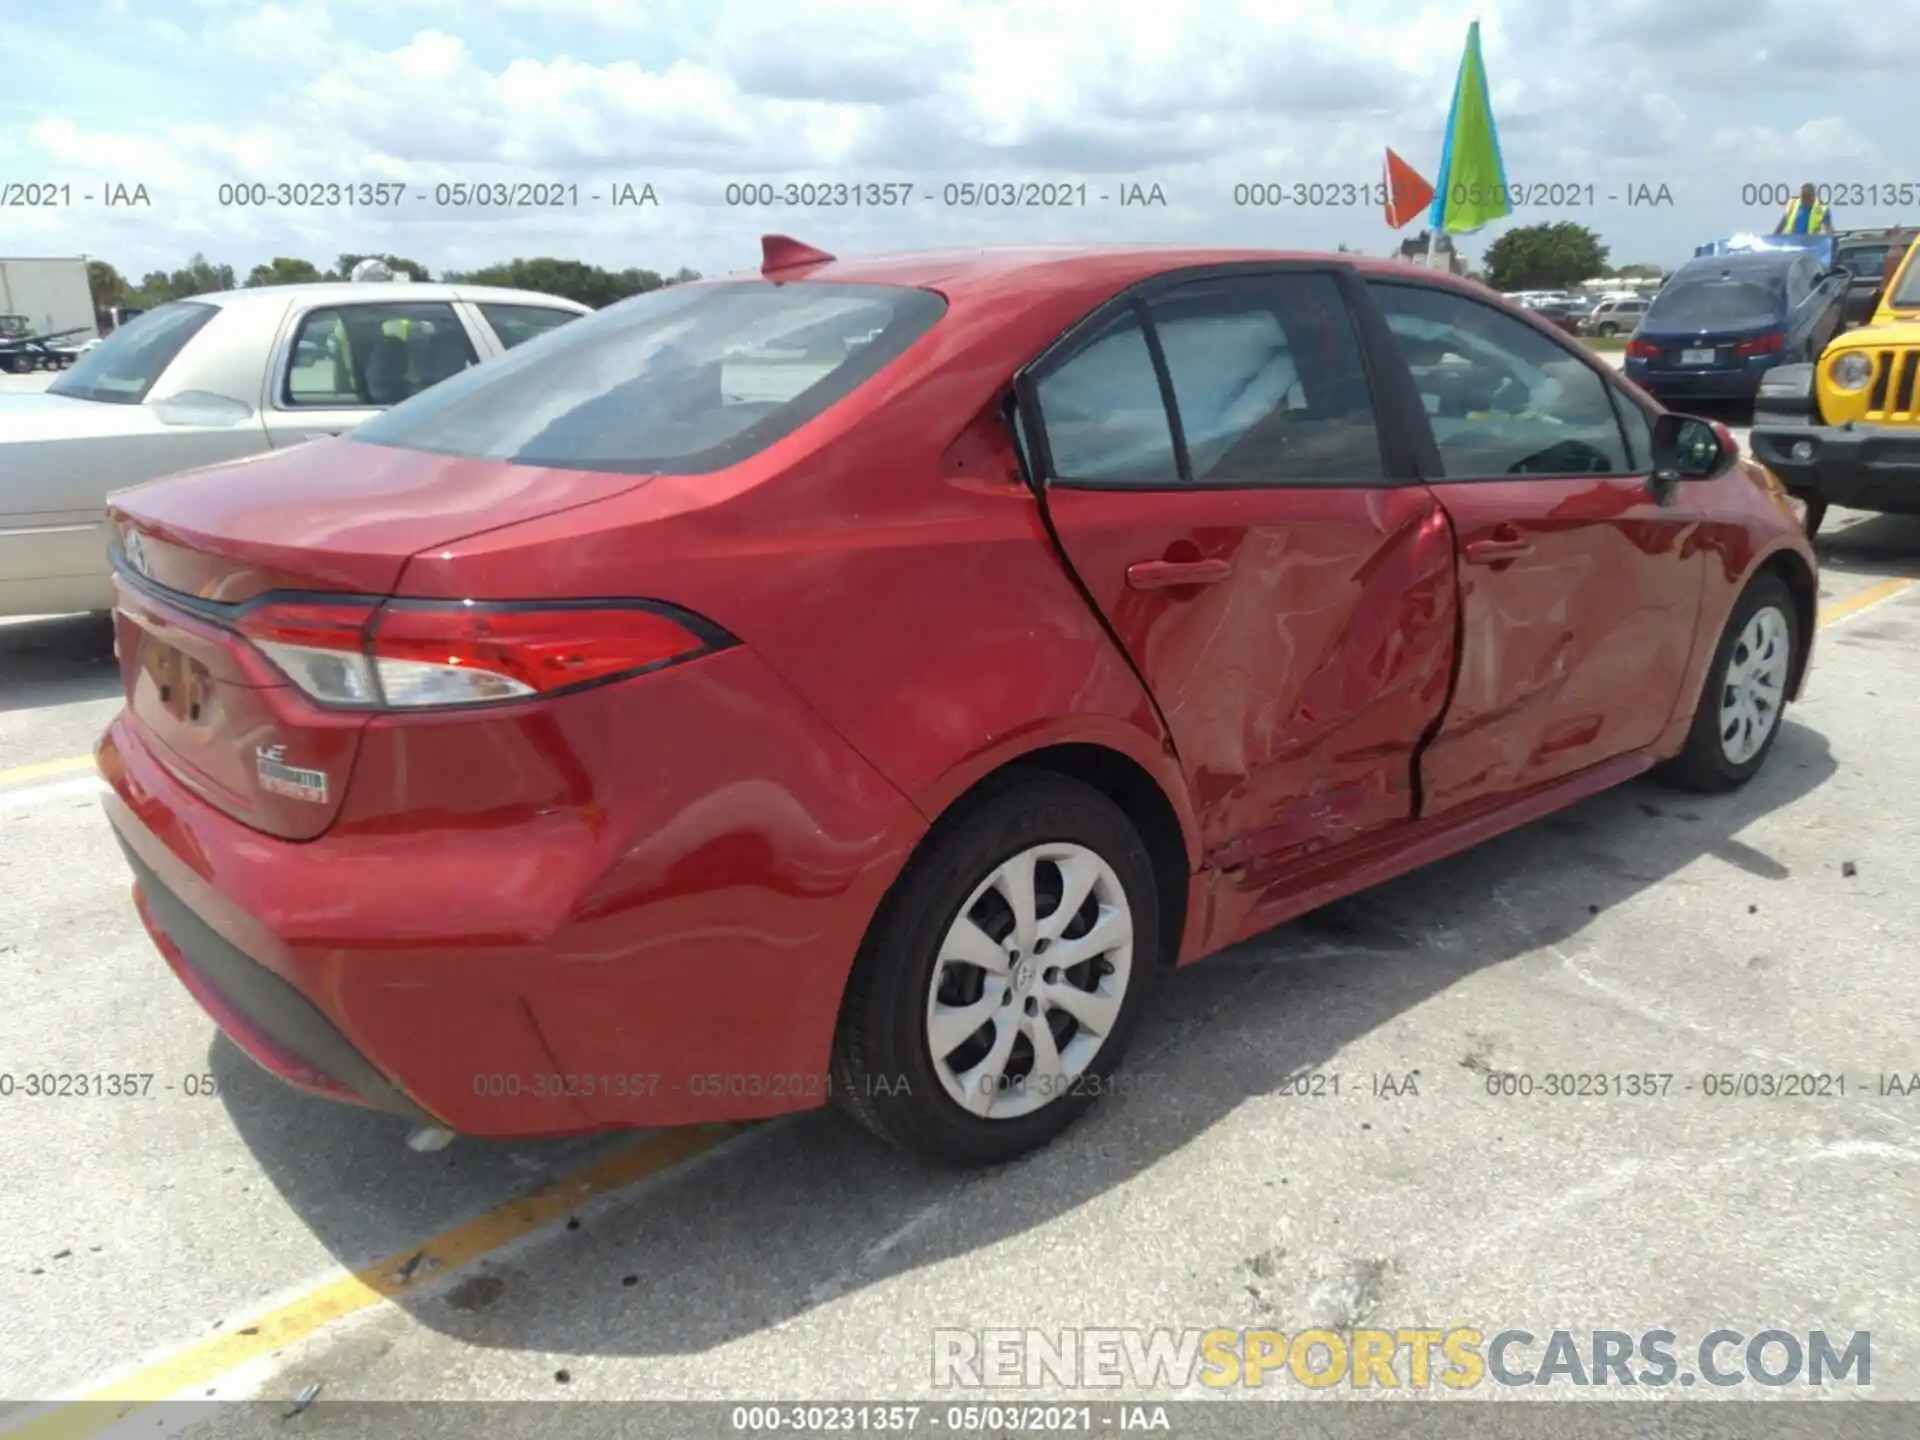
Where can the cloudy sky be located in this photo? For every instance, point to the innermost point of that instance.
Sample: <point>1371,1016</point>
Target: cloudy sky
<point>1707,98</point>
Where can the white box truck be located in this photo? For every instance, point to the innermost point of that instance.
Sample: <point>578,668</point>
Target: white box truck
<point>44,296</point>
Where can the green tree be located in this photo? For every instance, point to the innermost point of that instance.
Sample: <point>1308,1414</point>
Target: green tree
<point>200,277</point>
<point>109,286</point>
<point>572,279</point>
<point>155,288</point>
<point>1545,257</point>
<point>396,262</point>
<point>1641,270</point>
<point>283,270</point>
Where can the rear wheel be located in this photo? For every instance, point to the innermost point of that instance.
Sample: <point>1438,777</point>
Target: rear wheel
<point>1003,977</point>
<point>1738,717</point>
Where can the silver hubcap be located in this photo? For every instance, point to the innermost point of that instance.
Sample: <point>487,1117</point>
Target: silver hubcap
<point>1755,685</point>
<point>1029,981</point>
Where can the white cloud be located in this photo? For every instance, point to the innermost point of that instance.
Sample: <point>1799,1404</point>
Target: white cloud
<point>1191,95</point>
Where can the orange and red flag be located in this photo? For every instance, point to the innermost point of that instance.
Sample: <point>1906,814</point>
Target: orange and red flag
<point>1408,192</point>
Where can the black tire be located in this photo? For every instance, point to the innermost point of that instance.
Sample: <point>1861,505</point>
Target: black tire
<point>1816,514</point>
<point>1703,765</point>
<point>1609,328</point>
<point>883,1071</point>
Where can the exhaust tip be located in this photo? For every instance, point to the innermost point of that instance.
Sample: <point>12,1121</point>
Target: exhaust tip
<point>429,1138</point>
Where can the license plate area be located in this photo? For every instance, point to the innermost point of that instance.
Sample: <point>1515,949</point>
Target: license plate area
<point>181,685</point>
<point>1697,357</point>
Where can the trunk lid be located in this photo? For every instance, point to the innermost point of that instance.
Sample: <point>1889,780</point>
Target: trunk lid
<point>333,516</point>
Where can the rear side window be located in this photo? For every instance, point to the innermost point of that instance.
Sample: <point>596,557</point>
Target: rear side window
<point>1269,381</point>
<point>1105,418</point>
<point>679,381</point>
<point>1269,388</point>
<point>355,356</point>
<point>121,369</point>
<point>517,324</point>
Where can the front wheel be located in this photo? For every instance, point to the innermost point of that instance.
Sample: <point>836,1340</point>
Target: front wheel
<point>1003,976</point>
<point>1609,329</point>
<point>1738,717</point>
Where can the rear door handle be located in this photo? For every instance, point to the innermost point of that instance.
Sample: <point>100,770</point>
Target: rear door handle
<point>1490,552</point>
<point>1166,574</point>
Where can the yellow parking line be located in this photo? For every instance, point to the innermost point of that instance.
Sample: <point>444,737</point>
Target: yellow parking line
<point>202,1363</point>
<point>68,766</point>
<point>1863,599</point>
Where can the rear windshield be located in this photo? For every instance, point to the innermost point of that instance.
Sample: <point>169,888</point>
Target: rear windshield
<point>1706,303</point>
<point>679,381</point>
<point>122,368</point>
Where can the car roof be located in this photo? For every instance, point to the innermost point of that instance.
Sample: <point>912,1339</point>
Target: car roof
<point>960,273</point>
<point>1743,265</point>
<point>347,292</point>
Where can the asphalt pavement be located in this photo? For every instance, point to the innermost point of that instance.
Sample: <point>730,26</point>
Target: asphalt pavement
<point>219,1235</point>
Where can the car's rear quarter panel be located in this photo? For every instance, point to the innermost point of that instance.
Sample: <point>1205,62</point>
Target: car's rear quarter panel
<point>665,878</point>
<point>888,561</point>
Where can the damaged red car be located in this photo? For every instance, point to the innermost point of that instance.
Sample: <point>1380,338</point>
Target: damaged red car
<point>858,680</point>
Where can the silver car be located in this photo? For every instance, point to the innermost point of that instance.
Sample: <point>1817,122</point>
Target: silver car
<point>1615,317</point>
<point>220,377</point>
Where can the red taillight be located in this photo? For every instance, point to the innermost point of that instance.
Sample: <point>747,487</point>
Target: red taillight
<point>407,654</point>
<point>1642,349</point>
<point>1761,345</point>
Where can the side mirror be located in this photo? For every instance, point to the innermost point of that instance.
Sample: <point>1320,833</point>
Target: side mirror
<point>1685,447</point>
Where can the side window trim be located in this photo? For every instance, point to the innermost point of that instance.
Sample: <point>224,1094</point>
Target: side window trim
<point>1402,466</point>
<point>1163,376</point>
<point>481,335</point>
<point>1637,463</point>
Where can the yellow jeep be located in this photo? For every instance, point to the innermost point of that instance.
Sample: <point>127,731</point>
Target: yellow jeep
<point>1845,429</point>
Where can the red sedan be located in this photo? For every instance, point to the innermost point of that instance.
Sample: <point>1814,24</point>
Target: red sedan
<point>858,680</point>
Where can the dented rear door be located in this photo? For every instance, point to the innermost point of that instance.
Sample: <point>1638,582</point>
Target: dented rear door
<point>1218,478</point>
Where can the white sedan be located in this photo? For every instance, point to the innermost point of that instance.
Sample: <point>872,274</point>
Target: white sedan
<point>220,377</point>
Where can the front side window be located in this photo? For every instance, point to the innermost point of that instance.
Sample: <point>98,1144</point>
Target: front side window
<point>122,368</point>
<point>1503,399</point>
<point>373,356</point>
<point>517,324</point>
<point>679,381</point>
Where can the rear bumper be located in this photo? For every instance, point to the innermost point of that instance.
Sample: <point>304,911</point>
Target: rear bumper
<point>664,943</point>
<point>1700,384</point>
<point>269,1019</point>
<point>1860,467</point>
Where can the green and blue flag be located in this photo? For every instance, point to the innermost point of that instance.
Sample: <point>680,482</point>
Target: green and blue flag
<point>1472,186</point>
